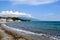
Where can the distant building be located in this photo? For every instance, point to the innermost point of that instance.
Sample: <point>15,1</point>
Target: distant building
<point>9,20</point>
<point>2,20</point>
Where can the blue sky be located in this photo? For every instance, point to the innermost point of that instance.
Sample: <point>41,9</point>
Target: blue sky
<point>47,10</point>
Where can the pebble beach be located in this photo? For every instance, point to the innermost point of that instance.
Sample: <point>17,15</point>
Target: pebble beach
<point>5,35</point>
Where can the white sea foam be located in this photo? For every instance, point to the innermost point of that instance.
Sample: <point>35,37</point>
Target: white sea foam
<point>24,32</point>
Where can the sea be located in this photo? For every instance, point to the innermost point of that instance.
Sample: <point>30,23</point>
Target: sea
<point>48,29</point>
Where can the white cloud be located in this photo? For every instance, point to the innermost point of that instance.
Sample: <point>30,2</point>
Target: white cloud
<point>14,14</point>
<point>32,2</point>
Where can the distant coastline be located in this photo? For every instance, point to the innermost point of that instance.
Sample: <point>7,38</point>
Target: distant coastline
<point>12,19</point>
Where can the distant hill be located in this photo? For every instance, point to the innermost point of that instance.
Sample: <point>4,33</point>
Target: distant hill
<point>27,18</point>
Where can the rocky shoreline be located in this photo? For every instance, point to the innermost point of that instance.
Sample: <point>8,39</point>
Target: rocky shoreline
<point>5,35</point>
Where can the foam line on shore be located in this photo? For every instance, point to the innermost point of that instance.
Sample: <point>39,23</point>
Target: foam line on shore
<point>11,28</point>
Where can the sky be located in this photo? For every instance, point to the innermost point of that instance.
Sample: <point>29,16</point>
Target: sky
<point>45,10</point>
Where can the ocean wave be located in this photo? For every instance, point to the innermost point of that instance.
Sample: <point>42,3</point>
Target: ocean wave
<point>32,34</point>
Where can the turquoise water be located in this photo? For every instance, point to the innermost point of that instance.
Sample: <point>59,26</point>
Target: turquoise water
<point>46,27</point>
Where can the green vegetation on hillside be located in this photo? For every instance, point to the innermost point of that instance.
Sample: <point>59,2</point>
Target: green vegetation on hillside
<point>14,18</point>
